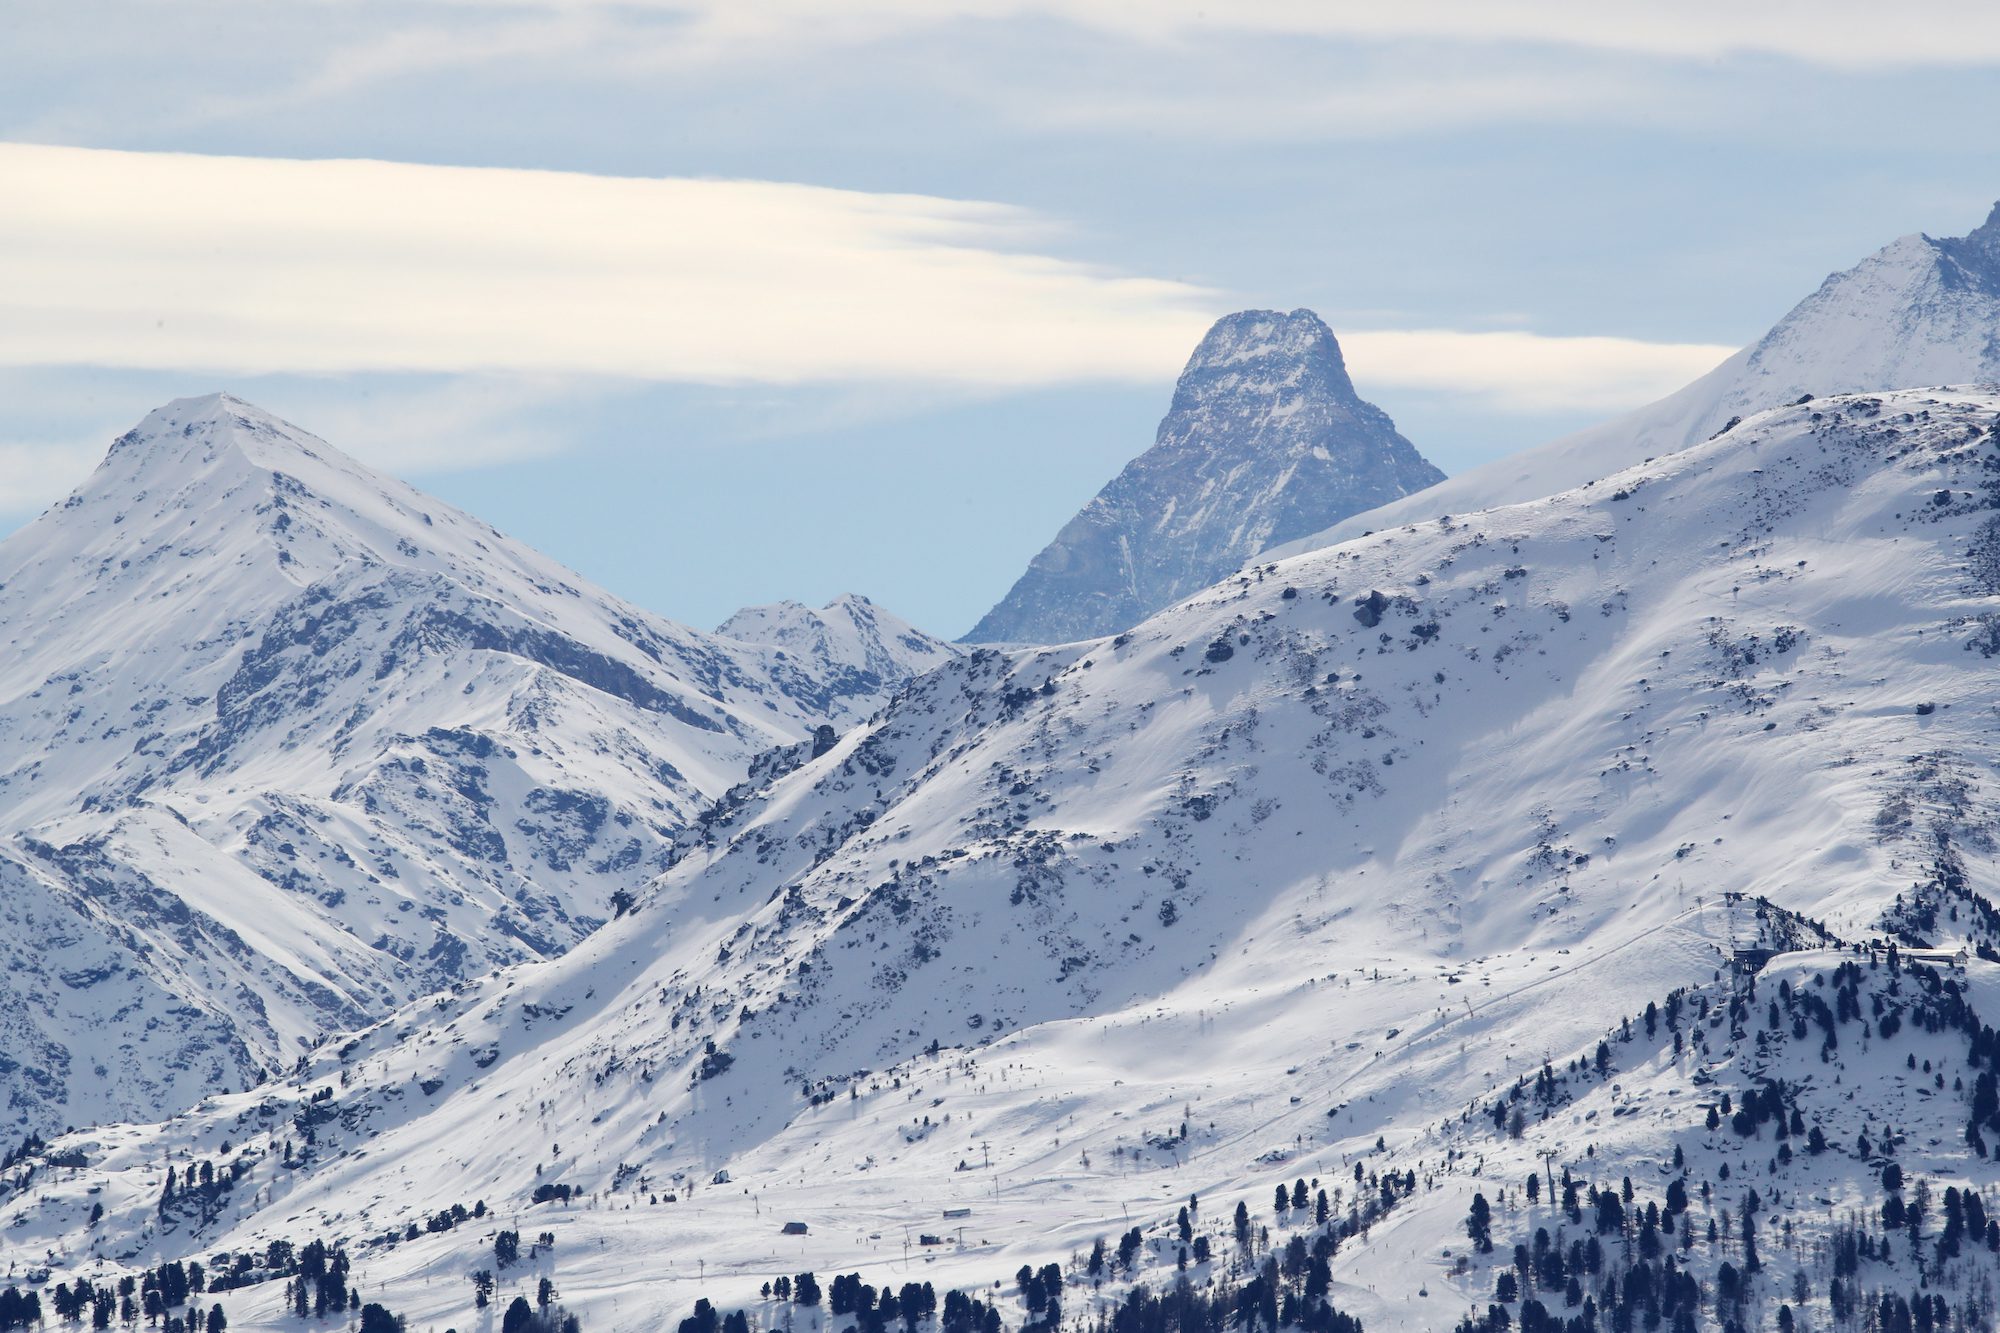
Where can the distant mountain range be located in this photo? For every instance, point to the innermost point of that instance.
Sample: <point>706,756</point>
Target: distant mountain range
<point>288,743</point>
<point>1266,441</point>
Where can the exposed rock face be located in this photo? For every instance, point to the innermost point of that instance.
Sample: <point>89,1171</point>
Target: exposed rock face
<point>1266,441</point>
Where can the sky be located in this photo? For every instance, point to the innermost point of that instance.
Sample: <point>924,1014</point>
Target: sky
<point>723,303</point>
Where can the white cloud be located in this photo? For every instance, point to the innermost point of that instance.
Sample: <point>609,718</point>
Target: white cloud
<point>524,289</point>
<point>461,422</point>
<point>1526,372</point>
<point>1251,70</point>
<point>1846,33</point>
<point>184,262</point>
<point>420,50</point>
<point>1854,34</point>
<point>1243,102</point>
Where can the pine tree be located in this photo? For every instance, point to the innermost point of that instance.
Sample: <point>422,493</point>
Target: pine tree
<point>377,1319</point>
<point>1479,1224</point>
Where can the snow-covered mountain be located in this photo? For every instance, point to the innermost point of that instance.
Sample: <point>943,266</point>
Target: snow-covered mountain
<point>847,655</point>
<point>1508,844</point>
<point>285,743</point>
<point>1266,441</point>
<point>1920,311</point>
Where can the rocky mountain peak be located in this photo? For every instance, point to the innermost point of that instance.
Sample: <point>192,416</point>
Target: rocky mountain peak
<point>198,413</point>
<point>191,432</point>
<point>216,472</point>
<point>1266,441</point>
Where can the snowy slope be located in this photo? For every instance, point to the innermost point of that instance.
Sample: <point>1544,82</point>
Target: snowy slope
<point>1291,882</point>
<point>1266,441</point>
<point>285,743</point>
<point>1920,311</point>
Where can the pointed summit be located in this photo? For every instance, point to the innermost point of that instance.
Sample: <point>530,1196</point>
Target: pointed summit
<point>189,428</point>
<point>1266,441</point>
<point>1296,346</point>
<point>213,493</point>
<point>198,410</point>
